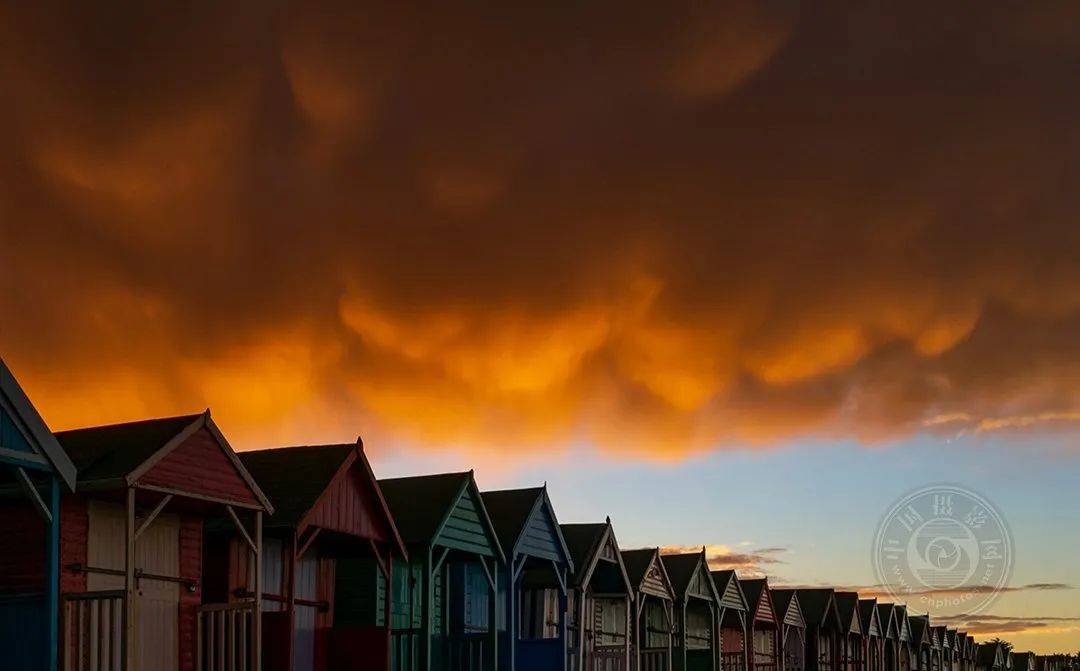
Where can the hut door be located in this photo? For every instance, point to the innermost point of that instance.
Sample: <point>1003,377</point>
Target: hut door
<point>307,571</point>
<point>157,602</point>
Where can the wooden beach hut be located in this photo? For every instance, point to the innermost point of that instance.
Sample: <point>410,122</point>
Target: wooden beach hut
<point>952,658</point>
<point>34,471</point>
<point>762,625</point>
<point>872,633</point>
<point>696,612</point>
<point>329,512</point>
<point>823,629</point>
<point>922,642</point>
<point>444,597</point>
<point>131,543</point>
<point>792,636</point>
<point>734,620</point>
<point>1023,661</point>
<point>907,652</point>
<point>970,652</point>
<point>599,604</point>
<point>887,621</point>
<point>990,657</point>
<point>852,639</point>
<point>533,580</point>
<point>653,614</point>
<point>937,634</point>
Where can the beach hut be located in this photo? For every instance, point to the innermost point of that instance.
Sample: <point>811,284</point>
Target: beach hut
<point>533,579</point>
<point>762,625</point>
<point>952,657</point>
<point>970,652</point>
<point>792,637</point>
<point>990,657</point>
<point>852,638</point>
<point>937,647</point>
<point>131,543</point>
<point>696,611</point>
<point>653,615</point>
<point>872,633</point>
<point>922,642</point>
<point>1023,661</point>
<point>734,620</point>
<point>34,471</point>
<point>906,651</point>
<point>329,513</point>
<point>887,621</point>
<point>823,629</point>
<point>444,596</point>
<point>599,603</point>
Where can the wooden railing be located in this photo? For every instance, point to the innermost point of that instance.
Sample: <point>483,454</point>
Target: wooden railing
<point>470,652</point>
<point>654,660</point>
<point>225,637</point>
<point>404,649</point>
<point>733,661</point>
<point>93,630</point>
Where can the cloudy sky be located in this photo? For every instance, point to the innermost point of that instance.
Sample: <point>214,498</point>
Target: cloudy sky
<point>777,263</point>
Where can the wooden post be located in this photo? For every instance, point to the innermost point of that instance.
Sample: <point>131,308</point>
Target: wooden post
<point>426,604</point>
<point>291,603</point>
<point>626,630</point>
<point>388,613</point>
<point>564,615</point>
<point>493,609</point>
<point>512,623</point>
<point>256,620</point>
<point>581,631</point>
<point>128,656</point>
<point>682,634</point>
<point>52,573</point>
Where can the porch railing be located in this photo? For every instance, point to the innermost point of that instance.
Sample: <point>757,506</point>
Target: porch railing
<point>225,637</point>
<point>733,661</point>
<point>93,630</point>
<point>654,660</point>
<point>404,649</point>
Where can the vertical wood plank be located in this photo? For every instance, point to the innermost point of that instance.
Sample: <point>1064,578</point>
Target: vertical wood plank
<point>256,619</point>
<point>129,584</point>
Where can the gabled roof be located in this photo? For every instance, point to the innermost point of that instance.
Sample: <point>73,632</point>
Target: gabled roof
<point>949,639</point>
<point>421,504</point>
<point>868,617</point>
<point>586,543</point>
<point>903,623</point>
<point>887,619</point>
<point>510,511</point>
<point>819,607</point>
<point>297,479</point>
<point>32,427</point>
<point>847,605</point>
<point>787,607</point>
<point>117,455</point>
<point>759,600</point>
<point>989,655</point>
<point>682,569</point>
<point>729,589</point>
<point>640,563</point>
<point>920,630</point>
<point>935,634</point>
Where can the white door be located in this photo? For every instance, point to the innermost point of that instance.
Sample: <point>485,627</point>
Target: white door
<point>157,602</point>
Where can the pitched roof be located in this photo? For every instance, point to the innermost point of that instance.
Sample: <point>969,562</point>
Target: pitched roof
<point>637,562</point>
<point>847,604</point>
<point>817,603</point>
<point>34,426</point>
<point>986,654</point>
<point>294,477</point>
<point>867,611</point>
<point>681,569</point>
<point>721,579</point>
<point>581,540</point>
<point>510,510</point>
<point>755,591</point>
<point>587,543</point>
<point>920,625</point>
<point>782,600</point>
<point>115,450</point>
<point>420,503</point>
<point>886,616</point>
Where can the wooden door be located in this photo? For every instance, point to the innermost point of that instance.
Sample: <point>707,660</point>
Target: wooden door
<point>157,602</point>
<point>307,571</point>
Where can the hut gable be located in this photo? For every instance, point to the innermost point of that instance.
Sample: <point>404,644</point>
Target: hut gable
<point>593,544</point>
<point>329,487</point>
<point>24,437</point>
<point>444,509</point>
<point>757,596</point>
<point>690,575</point>
<point>903,624</point>
<point>869,618</point>
<point>847,604</point>
<point>185,455</point>
<point>787,607</point>
<point>729,590</point>
<point>525,523</point>
<point>819,607</point>
<point>646,572</point>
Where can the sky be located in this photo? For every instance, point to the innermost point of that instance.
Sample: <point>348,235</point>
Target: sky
<point>773,263</point>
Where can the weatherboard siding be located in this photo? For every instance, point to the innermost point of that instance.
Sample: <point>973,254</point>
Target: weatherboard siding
<point>654,582</point>
<point>11,438</point>
<point>730,597</point>
<point>349,506</point>
<point>464,529</point>
<point>199,466</point>
<point>539,537</point>
<point>699,584</point>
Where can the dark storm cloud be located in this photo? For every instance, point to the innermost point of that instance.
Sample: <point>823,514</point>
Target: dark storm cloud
<point>656,227</point>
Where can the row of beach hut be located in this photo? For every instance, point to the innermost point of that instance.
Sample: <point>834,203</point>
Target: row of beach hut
<point>153,546</point>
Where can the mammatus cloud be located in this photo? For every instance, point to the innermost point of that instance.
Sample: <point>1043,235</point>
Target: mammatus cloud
<point>750,564</point>
<point>687,229</point>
